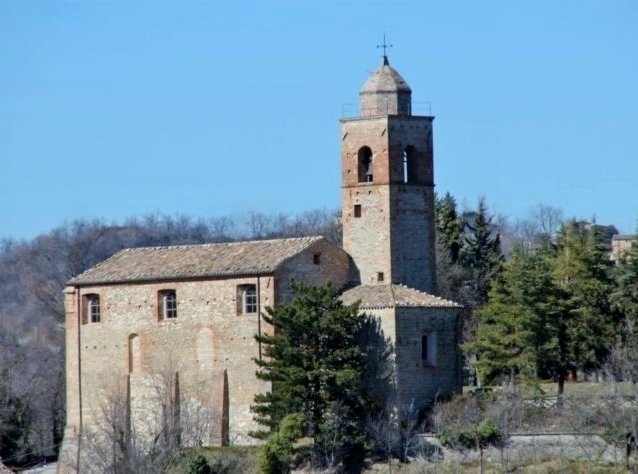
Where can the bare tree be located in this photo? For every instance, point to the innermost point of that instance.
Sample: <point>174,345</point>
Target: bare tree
<point>144,422</point>
<point>550,219</point>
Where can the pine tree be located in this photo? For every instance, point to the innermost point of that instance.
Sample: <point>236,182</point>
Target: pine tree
<point>448,226</point>
<point>481,253</point>
<point>316,362</point>
<point>625,300</point>
<point>513,338</point>
<point>625,296</point>
<point>583,273</point>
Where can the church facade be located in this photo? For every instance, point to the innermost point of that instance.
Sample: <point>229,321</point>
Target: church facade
<point>169,331</point>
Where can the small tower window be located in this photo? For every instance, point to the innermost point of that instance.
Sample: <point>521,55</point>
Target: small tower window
<point>365,165</point>
<point>405,167</point>
<point>167,304</point>
<point>380,276</point>
<point>409,164</point>
<point>428,348</point>
<point>357,210</point>
<point>316,258</point>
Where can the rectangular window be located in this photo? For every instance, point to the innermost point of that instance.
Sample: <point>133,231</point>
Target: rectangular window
<point>246,299</point>
<point>167,304</point>
<point>91,308</point>
<point>316,258</point>
<point>428,348</point>
<point>424,347</point>
<point>357,210</point>
<point>380,276</point>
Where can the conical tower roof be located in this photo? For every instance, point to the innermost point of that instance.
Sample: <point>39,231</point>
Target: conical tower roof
<point>385,92</point>
<point>385,79</point>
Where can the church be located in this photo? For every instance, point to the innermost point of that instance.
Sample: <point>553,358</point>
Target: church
<point>169,331</point>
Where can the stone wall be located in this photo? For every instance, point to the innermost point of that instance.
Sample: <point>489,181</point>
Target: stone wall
<point>421,381</point>
<point>207,337</point>
<point>320,263</point>
<point>534,448</point>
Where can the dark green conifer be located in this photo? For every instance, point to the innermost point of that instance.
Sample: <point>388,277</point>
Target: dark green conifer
<point>317,364</point>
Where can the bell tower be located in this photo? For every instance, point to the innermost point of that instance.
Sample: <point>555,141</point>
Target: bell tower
<point>387,185</point>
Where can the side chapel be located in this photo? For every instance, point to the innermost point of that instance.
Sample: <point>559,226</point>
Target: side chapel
<point>188,314</point>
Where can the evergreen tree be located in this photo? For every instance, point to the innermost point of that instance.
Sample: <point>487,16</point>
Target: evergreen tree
<point>549,311</point>
<point>583,272</point>
<point>450,275</point>
<point>481,253</point>
<point>316,362</point>
<point>514,335</point>
<point>448,226</point>
<point>625,296</point>
<point>625,300</point>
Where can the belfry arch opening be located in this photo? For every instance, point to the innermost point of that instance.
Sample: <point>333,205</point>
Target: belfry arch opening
<point>409,164</point>
<point>365,168</point>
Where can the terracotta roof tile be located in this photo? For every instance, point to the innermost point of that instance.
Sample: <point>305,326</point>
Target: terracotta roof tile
<point>194,261</point>
<point>391,295</point>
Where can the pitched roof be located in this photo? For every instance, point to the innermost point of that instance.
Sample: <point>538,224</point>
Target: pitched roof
<point>391,296</point>
<point>194,261</point>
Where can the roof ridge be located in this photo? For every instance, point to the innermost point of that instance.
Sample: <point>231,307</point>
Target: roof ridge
<point>432,295</point>
<point>309,238</point>
<point>401,295</point>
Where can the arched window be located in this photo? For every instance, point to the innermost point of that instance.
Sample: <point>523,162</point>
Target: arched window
<point>409,164</point>
<point>365,165</point>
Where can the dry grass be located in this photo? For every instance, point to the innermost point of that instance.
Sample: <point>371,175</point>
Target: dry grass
<point>548,467</point>
<point>223,460</point>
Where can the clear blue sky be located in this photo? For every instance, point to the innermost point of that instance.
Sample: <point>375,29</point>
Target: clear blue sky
<point>110,109</point>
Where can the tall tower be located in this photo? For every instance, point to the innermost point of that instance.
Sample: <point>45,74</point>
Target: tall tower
<point>387,185</point>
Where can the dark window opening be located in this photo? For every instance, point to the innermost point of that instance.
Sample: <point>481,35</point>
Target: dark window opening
<point>424,347</point>
<point>380,276</point>
<point>167,304</point>
<point>428,348</point>
<point>409,164</point>
<point>365,165</point>
<point>316,258</point>
<point>357,210</point>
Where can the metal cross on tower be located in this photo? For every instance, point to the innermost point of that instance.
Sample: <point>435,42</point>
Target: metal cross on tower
<point>384,46</point>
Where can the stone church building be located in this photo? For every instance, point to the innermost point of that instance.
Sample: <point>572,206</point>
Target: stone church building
<point>152,326</point>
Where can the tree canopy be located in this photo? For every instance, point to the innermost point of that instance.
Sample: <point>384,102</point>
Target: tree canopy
<point>317,362</point>
<point>549,312</point>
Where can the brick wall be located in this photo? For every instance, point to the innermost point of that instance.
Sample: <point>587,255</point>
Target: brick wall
<point>422,380</point>
<point>394,234</point>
